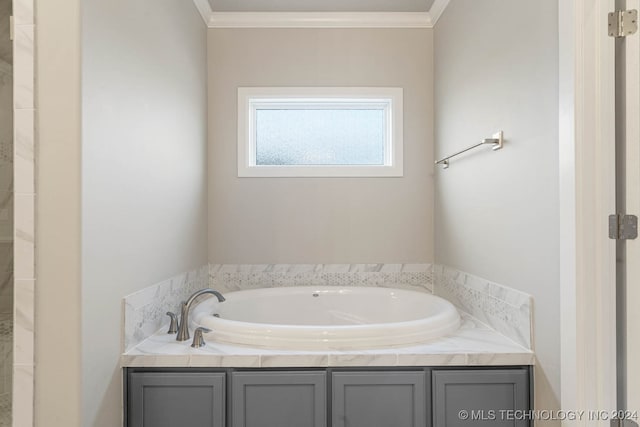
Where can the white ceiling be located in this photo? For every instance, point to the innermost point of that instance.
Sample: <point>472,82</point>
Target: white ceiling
<point>321,5</point>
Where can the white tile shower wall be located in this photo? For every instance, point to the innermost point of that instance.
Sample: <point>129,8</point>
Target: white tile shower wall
<point>234,277</point>
<point>25,194</point>
<point>504,309</point>
<point>145,311</point>
<point>6,208</point>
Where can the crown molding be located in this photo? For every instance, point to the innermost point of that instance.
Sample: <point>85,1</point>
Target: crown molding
<point>204,8</point>
<point>318,19</point>
<point>321,19</point>
<point>436,10</point>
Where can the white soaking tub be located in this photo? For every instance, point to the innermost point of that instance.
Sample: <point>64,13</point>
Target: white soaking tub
<point>326,318</point>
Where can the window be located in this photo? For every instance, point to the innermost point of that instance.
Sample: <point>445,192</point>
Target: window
<point>319,132</point>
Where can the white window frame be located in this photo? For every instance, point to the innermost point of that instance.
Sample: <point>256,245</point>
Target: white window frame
<point>250,98</point>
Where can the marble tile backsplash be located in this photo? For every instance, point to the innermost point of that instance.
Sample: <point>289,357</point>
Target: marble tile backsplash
<point>504,309</point>
<point>145,311</point>
<point>235,277</point>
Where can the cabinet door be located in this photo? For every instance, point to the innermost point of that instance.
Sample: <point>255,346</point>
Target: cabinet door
<point>379,399</point>
<point>176,399</point>
<point>279,399</point>
<point>480,397</point>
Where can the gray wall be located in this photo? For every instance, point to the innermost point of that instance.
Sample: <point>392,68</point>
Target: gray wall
<point>497,213</point>
<point>143,172</point>
<point>320,220</point>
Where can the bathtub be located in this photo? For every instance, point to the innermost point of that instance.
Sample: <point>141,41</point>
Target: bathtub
<point>326,318</point>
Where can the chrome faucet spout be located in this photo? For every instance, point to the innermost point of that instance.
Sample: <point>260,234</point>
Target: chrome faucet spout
<point>183,329</point>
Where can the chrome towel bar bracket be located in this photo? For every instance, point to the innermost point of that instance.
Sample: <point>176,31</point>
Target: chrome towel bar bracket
<point>496,140</point>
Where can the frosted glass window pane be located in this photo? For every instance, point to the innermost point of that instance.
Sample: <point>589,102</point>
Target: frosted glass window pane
<point>320,136</point>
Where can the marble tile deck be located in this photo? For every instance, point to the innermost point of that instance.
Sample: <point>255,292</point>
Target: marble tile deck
<point>472,344</point>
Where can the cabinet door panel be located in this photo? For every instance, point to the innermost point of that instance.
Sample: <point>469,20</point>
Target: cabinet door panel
<point>379,399</point>
<point>480,397</point>
<point>279,399</point>
<point>176,399</point>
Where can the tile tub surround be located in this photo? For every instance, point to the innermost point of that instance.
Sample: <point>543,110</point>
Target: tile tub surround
<point>495,329</point>
<point>473,344</point>
<point>145,311</point>
<point>235,277</point>
<point>504,309</point>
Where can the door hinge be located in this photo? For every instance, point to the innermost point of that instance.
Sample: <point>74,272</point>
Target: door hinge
<point>11,27</point>
<point>623,227</point>
<point>623,23</point>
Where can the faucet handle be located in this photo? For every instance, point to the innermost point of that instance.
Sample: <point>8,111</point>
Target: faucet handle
<point>173,326</point>
<point>198,340</point>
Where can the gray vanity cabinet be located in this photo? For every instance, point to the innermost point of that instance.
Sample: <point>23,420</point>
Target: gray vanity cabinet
<point>168,399</point>
<point>480,397</point>
<point>328,397</point>
<point>379,399</point>
<point>282,399</point>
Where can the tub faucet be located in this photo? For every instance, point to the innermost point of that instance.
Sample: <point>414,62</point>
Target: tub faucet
<point>183,329</point>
